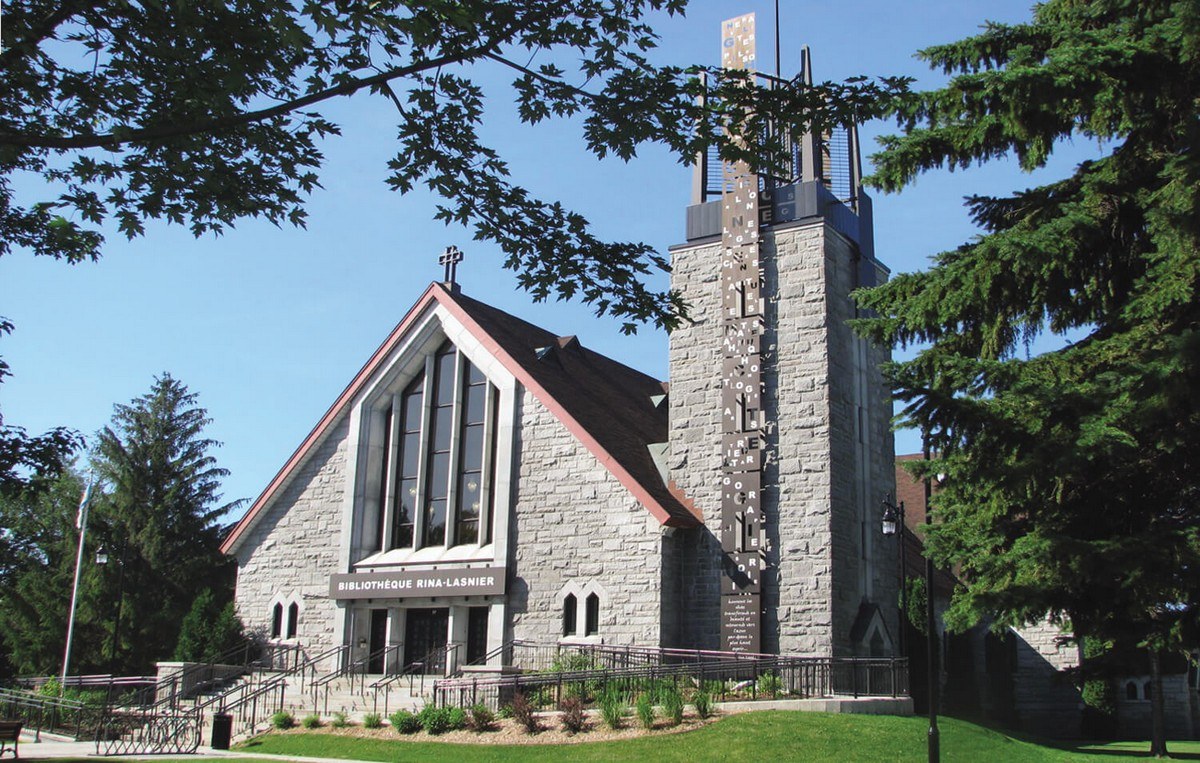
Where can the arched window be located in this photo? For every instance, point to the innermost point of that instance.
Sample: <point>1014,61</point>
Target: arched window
<point>277,621</point>
<point>293,619</point>
<point>570,608</point>
<point>1131,690</point>
<point>1146,690</point>
<point>592,626</point>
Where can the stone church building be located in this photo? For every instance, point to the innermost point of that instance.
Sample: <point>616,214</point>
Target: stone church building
<point>482,479</point>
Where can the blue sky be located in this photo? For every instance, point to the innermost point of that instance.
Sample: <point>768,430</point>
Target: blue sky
<point>269,324</point>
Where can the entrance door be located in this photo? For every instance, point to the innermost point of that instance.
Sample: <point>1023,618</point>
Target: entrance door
<point>477,622</point>
<point>379,621</point>
<point>424,631</point>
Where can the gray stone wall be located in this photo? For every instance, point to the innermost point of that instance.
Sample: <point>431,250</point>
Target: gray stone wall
<point>1133,716</point>
<point>293,549</point>
<point>695,458</point>
<point>573,520</point>
<point>1046,699</point>
<point>818,490</point>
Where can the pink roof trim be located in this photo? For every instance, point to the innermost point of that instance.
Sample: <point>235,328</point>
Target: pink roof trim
<point>334,411</point>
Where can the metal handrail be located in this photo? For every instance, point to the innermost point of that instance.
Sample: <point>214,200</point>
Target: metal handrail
<point>807,676</point>
<point>359,666</point>
<point>410,669</point>
<point>410,672</point>
<point>33,709</point>
<point>251,691</point>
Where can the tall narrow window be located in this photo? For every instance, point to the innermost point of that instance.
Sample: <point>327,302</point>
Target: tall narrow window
<point>470,454</point>
<point>383,477</point>
<point>440,439</point>
<point>570,606</point>
<point>277,621</point>
<point>408,466</point>
<point>493,428</point>
<point>293,619</point>
<point>441,427</point>
<point>592,626</point>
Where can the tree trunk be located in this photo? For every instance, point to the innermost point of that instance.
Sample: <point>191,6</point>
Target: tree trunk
<point>1158,734</point>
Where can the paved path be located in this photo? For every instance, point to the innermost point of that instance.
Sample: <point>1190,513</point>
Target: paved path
<point>56,748</point>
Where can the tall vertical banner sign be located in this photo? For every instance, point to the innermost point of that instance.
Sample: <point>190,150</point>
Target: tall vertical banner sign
<point>742,536</point>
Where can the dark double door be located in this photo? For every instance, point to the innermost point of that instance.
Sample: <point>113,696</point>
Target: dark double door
<point>426,630</point>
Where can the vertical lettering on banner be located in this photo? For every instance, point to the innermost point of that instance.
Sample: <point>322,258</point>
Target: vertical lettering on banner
<point>742,531</point>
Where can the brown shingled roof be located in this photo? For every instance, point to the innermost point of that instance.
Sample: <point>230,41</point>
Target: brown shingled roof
<point>609,400</point>
<point>605,404</point>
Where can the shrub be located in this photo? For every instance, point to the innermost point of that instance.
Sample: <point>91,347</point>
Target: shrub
<point>439,720</point>
<point>311,721</point>
<point>542,697</point>
<point>525,713</point>
<point>405,722</point>
<point>339,720</point>
<point>672,705</point>
<point>505,711</point>
<point>573,663</point>
<point>480,718</point>
<point>574,720</point>
<point>702,701</point>
<point>372,721</point>
<point>282,720</point>
<point>769,684</point>
<point>612,709</point>
<point>645,710</point>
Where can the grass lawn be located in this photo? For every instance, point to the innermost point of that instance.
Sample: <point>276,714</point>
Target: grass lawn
<point>746,736</point>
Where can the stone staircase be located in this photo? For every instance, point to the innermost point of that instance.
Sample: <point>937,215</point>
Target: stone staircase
<point>354,696</point>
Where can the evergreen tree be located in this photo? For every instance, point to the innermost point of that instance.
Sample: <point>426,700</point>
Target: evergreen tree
<point>158,519</point>
<point>37,567</point>
<point>208,630</point>
<point>1073,476</point>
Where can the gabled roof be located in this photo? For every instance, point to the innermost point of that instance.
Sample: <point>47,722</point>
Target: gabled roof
<point>606,405</point>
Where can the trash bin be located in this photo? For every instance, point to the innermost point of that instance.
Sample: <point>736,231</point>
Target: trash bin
<point>222,731</point>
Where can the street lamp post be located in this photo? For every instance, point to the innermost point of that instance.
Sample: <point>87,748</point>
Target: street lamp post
<point>931,625</point>
<point>893,524</point>
<point>102,557</point>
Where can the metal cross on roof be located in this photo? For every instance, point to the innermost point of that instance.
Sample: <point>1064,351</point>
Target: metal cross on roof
<point>450,258</point>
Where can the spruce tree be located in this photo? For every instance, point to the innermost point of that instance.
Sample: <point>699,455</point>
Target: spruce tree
<point>38,544</point>
<point>1073,476</point>
<point>159,519</point>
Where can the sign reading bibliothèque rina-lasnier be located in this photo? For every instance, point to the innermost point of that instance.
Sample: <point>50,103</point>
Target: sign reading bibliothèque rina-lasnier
<point>473,581</point>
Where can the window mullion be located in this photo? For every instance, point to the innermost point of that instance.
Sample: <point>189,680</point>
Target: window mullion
<point>455,463</point>
<point>487,470</point>
<point>423,454</point>
<point>393,466</point>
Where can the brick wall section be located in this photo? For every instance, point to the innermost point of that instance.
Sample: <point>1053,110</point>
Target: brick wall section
<point>811,490</point>
<point>574,520</point>
<point>293,549</point>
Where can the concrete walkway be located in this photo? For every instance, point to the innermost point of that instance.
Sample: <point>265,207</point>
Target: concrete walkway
<point>58,748</point>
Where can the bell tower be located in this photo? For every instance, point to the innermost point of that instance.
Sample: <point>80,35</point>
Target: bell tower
<point>780,420</point>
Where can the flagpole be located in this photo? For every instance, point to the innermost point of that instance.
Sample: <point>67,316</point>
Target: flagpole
<point>81,524</point>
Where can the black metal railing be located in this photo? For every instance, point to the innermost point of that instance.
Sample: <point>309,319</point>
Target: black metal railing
<point>385,658</point>
<point>139,732</point>
<point>415,673</point>
<point>727,676</point>
<point>259,695</point>
<point>39,713</point>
